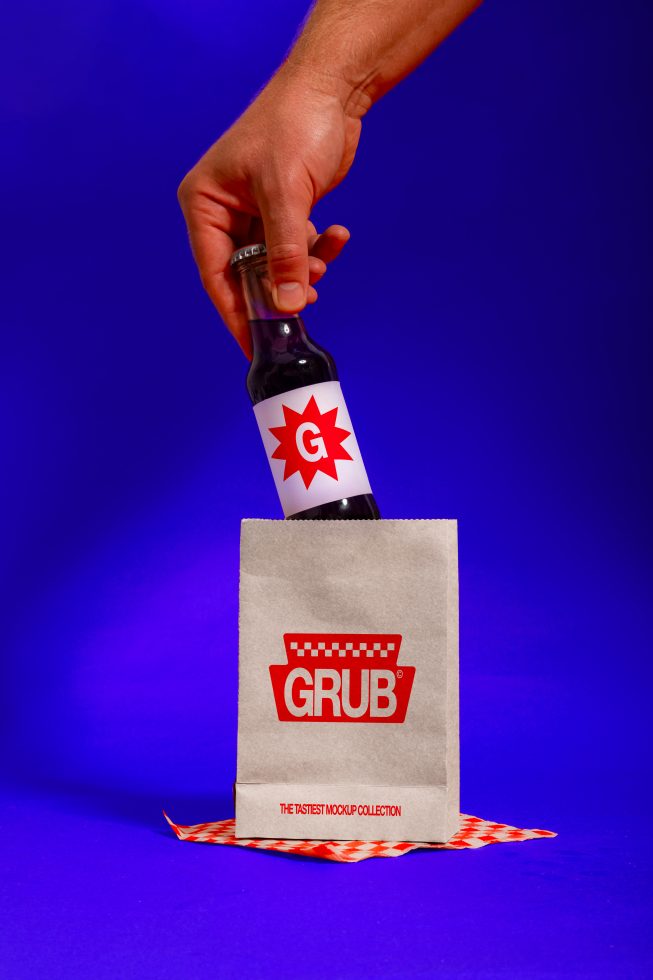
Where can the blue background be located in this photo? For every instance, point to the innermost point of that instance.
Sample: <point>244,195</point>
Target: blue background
<point>491,322</point>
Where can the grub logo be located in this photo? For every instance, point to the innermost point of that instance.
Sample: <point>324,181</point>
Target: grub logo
<point>310,441</point>
<point>342,677</point>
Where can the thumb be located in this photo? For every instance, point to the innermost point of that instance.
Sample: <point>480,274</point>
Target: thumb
<point>284,220</point>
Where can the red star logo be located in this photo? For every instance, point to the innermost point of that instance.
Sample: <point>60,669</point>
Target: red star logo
<point>309,442</point>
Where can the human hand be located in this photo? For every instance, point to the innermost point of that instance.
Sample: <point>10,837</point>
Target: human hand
<point>293,144</point>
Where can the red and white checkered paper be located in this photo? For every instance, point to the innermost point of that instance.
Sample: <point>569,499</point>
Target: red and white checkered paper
<point>473,832</point>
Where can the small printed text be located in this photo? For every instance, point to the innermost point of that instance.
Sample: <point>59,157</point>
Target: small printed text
<point>342,809</point>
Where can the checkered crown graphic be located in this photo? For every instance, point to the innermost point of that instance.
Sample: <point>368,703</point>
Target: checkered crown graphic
<point>343,649</point>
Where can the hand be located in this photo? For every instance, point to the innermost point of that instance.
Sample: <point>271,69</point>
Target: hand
<point>260,180</point>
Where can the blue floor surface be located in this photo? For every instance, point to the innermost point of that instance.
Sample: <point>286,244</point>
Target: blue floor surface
<point>94,884</point>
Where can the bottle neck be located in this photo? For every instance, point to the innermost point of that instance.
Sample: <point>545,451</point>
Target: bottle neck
<point>272,331</point>
<point>277,336</point>
<point>257,290</point>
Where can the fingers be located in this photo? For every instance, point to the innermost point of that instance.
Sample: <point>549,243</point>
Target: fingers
<point>330,243</point>
<point>298,256</point>
<point>316,269</point>
<point>322,249</point>
<point>285,214</point>
<point>316,266</point>
<point>212,229</point>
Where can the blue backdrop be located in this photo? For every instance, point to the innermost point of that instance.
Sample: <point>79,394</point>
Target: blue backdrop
<point>491,323</point>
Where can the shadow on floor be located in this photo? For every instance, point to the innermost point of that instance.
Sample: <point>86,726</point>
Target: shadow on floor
<point>122,803</point>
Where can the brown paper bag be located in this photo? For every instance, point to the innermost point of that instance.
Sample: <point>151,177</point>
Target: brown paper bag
<point>348,680</point>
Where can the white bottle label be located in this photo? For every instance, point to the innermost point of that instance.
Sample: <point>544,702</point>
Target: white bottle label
<point>311,446</point>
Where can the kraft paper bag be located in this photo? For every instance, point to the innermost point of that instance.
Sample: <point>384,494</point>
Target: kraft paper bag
<point>348,680</point>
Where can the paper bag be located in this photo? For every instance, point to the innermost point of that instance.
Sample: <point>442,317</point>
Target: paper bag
<point>348,680</point>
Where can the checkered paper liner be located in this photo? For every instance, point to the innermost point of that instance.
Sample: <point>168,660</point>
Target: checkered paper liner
<point>473,832</point>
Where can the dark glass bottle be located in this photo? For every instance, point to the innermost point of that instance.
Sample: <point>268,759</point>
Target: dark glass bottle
<point>284,359</point>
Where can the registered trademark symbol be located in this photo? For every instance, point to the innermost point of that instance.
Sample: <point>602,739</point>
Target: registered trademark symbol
<point>400,673</point>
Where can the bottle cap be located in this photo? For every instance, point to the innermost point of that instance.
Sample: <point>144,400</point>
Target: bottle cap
<point>247,252</point>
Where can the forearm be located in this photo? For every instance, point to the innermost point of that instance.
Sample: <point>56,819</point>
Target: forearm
<point>364,47</point>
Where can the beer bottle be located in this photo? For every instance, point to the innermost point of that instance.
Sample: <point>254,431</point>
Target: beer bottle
<point>298,404</point>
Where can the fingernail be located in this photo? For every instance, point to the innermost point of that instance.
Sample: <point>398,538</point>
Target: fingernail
<point>289,296</point>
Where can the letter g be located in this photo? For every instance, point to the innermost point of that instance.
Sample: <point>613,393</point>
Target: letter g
<point>305,706</point>
<point>317,444</point>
